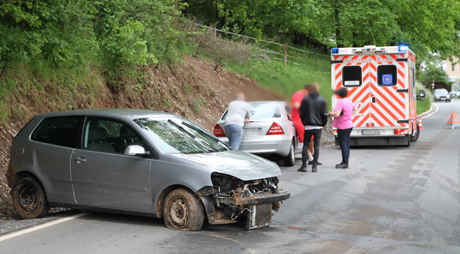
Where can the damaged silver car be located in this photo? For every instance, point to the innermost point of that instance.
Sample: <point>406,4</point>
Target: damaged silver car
<point>139,162</point>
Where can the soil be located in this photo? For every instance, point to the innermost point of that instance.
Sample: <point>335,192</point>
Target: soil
<point>195,89</point>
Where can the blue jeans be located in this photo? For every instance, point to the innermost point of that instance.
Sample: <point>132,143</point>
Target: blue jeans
<point>344,142</point>
<point>234,134</point>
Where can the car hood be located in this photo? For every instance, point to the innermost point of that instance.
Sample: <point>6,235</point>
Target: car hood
<point>235,163</point>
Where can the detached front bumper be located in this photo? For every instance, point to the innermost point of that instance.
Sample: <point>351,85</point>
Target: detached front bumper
<point>256,199</point>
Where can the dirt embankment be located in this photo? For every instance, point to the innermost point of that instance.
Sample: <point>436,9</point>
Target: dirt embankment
<point>195,89</point>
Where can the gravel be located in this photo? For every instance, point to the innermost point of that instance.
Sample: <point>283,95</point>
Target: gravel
<point>14,224</point>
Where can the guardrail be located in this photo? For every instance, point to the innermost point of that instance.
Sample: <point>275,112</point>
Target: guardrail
<point>317,57</point>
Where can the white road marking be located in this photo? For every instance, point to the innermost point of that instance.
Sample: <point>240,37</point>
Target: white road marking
<point>428,112</point>
<point>41,226</point>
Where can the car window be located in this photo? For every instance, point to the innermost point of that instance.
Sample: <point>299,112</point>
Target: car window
<point>106,135</point>
<point>178,136</point>
<point>266,110</point>
<point>58,131</point>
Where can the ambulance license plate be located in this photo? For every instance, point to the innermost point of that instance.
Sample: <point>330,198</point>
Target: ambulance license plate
<point>371,132</point>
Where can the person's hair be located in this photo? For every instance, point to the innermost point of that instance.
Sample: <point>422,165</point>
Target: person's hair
<point>310,88</point>
<point>342,92</point>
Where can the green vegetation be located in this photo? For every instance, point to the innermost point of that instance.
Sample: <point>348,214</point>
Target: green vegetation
<point>63,50</point>
<point>425,105</point>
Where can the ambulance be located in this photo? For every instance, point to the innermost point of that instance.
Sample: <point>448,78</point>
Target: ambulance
<point>381,83</point>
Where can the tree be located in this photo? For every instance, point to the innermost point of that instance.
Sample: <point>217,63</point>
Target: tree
<point>432,70</point>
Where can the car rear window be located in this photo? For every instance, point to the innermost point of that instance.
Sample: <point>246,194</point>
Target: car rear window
<point>60,131</point>
<point>263,110</point>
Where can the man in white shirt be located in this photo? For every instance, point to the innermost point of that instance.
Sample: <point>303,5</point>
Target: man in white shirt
<point>238,113</point>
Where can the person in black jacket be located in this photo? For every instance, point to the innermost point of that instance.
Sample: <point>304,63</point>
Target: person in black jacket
<point>313,113</point>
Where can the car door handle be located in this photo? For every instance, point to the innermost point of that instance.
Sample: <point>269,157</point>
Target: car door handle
<point>80,160</point>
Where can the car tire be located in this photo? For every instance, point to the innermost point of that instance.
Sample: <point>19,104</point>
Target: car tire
<point>415,138</point>
<point>289,160</point>
<point>183,211</point>
<point>29,199</point>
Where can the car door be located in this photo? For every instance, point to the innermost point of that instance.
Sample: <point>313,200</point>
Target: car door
<point>102,175</point>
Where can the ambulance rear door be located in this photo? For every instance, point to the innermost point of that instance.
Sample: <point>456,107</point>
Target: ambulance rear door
<point>388,91</point>
<point>352,72</point>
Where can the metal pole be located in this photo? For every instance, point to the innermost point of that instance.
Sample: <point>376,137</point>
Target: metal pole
<point>316,61</point>
<point>285,54</point>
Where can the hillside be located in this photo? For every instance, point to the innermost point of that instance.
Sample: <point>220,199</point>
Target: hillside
<point>195,89</point>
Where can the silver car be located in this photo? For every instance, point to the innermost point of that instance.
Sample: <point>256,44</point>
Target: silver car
<point>270,131</point>
<point>139,162</point>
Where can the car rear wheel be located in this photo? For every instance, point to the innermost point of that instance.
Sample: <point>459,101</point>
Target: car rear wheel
<point>29,199</point>
<point>289,160</point>
<point>183,211</point>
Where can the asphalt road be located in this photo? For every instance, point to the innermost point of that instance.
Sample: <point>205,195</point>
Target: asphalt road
<point>391,200</point>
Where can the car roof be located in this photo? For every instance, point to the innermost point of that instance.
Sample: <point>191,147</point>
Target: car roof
<point>109,112</point>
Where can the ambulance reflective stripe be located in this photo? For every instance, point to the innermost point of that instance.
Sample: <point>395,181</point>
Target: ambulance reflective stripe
<point>389,106</point>
<point>359,95</point>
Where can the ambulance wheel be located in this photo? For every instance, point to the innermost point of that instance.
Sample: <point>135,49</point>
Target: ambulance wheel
<point>408,141</point>
<point>415,138</point>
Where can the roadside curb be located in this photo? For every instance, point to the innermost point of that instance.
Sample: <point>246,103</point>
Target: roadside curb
<point>429,112</point>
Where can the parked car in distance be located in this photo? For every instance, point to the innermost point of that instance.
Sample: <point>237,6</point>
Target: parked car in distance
<point>454,94</point>
<point>139,162</point>
<point>441,95</point>
<point>270,131</point>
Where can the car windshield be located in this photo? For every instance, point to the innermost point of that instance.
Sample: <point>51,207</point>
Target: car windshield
<point>176,135</point>
<point>440,92</point>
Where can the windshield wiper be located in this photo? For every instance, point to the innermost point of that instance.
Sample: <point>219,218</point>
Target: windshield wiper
<point>204,133</point>
<point>191,135</point>
<point>181,128</point>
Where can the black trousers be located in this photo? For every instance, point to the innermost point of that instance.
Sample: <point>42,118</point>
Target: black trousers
<point>316,140</point>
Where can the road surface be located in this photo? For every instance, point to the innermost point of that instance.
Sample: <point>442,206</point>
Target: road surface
<point>391,200</point>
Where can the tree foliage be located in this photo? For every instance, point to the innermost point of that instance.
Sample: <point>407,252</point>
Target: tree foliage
<point>433,70</point>
<point>424,25</point>
<point>120,33</point>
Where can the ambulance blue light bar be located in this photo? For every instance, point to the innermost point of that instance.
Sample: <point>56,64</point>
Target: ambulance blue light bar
<point>335,51</point>
<point>402,48</point>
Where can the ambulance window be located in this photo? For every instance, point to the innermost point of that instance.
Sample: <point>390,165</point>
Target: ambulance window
<point>352,76</point>
<point>387,75</point>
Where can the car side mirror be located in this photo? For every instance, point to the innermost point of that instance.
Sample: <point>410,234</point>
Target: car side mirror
<point>135,150</point>
<point>422,95</point>
<point>289,116</point>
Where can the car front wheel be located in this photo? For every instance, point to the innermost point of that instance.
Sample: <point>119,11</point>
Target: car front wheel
<point>29,198</point>
<point>183,211</point>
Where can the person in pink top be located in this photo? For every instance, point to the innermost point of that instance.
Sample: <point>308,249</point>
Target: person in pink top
<point>343,113</point>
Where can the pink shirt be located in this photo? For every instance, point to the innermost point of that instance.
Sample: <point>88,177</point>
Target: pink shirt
<point>344,121</point>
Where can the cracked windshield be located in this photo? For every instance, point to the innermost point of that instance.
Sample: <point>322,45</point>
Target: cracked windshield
<point>179,136</point>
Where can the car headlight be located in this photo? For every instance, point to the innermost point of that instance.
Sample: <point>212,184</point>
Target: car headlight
<point>437,96</point>
<point>447,97</point>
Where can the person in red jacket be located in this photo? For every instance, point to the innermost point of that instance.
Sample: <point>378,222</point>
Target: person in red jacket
<point>295,102</point>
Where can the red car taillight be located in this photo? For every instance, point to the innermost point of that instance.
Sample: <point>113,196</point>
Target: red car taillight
<point>218,132</point>
<point>275,129</point>
<point>401,131</point>
<point>334,132</point>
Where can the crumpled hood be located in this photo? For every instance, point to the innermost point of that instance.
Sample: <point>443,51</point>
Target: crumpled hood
<point>235,163</point>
